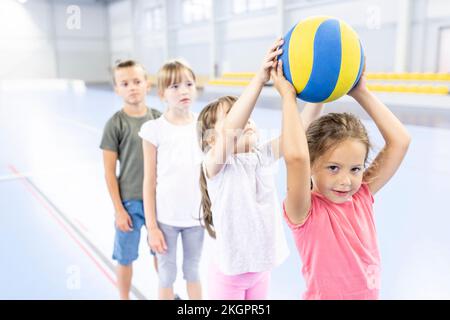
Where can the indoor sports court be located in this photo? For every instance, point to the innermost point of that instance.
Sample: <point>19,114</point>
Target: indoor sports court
<point>56,94</point>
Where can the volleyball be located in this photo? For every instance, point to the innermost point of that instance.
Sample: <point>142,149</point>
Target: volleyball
<point>323,58</point>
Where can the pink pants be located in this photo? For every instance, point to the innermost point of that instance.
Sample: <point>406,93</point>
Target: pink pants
<point>245,286</point>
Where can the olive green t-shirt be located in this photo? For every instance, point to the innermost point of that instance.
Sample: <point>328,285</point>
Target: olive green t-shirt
<point>121,135</point>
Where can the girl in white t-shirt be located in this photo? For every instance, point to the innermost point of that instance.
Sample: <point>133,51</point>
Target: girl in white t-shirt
<point>172,196</point>
<point>240,208</point>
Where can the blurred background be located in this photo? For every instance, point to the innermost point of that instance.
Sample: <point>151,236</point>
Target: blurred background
<point>56,217</point>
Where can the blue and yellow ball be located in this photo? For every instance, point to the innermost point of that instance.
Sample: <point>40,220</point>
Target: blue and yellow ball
<point>323,58</point>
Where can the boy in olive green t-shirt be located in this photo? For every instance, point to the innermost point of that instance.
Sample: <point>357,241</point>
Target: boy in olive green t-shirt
<point>121,142</point>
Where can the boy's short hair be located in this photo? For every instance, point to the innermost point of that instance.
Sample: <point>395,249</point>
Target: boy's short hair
<point>119,64</point>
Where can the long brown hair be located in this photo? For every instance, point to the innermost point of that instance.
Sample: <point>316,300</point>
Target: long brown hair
<point>205,128</point>
<point>333,128</point>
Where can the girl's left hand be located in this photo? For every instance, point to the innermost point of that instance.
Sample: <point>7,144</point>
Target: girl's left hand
<point>280,83</point>
<point>361,86</point>
<point>270,60</point>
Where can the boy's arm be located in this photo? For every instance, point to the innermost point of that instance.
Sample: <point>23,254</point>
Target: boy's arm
<point>239,114</point>
<point>296,154</point>
<point>123,220</point>
<point>310,112</point>
<point>396,138</point>
<point>156,238</point>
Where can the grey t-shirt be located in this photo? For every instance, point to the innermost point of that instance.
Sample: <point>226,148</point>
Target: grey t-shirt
<point>121,135</point>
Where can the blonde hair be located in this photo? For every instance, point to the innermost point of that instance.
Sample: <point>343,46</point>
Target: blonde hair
<point>171,72</point>
<point>126,64</point>
<point>206,121</point>
<point>333,128</point>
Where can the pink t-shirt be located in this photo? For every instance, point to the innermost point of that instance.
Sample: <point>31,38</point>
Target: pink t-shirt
<point>338,247</point>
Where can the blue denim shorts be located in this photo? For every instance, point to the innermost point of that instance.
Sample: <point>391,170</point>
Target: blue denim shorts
<point>126,244</point>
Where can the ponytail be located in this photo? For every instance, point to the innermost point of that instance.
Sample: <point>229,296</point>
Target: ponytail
<point>206,206</point>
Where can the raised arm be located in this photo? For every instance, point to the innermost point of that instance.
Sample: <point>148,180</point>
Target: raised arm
<point>295,148</point>
<point>238,116</point>
<point>396,138</point>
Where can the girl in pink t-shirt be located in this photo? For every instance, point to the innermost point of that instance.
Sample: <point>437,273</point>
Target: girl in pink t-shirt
<point>329,199</point>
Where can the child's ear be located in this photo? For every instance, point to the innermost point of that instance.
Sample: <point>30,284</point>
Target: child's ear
<point>161,94</point>
<point>211,140</point>
<point>210,137</point>
<point>149,85</point>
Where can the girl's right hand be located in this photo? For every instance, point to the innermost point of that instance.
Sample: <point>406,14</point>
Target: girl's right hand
<point>156,240</point>
<point>284,87</point>
<point>270,60</point>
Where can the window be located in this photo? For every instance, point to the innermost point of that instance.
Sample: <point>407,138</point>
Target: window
<point>255,5</point>
<point>153,18</point>
<point>196,10</point>
<point>444,49</point>
<point>245,6</point>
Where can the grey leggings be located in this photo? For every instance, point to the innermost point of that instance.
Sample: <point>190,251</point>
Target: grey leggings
<point>192,240</point>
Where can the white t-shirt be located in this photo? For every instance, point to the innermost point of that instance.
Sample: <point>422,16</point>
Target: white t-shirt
<point>178,166</point>
<point>247,214</point>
